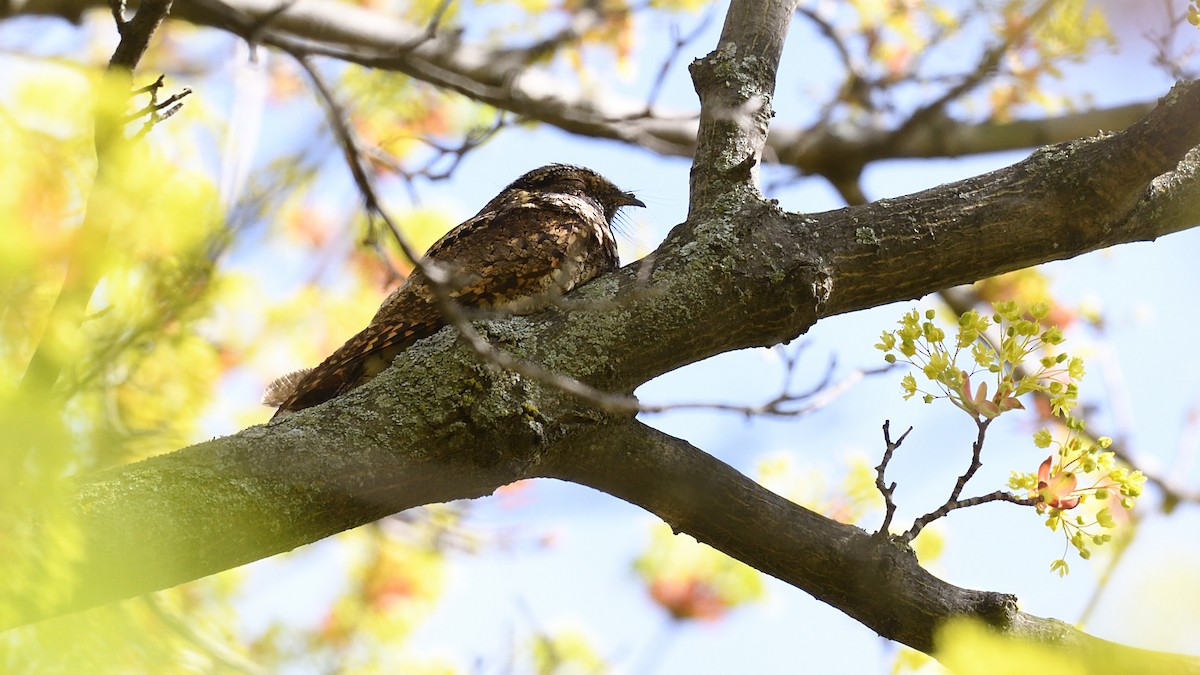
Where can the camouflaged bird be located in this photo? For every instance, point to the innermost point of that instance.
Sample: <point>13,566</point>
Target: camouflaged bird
<point>546,233</point>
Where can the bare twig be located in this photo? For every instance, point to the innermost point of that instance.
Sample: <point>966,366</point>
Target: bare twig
<point>856,86</point>
<point>156,111</point>
<point>435,21</point>
<point>997,496</point>
<point>680,42</point>
<point>1166,53</point>
<point>826,29</point>
<point>976,461</point>
<point>884,488</point>
<point>1120,546</point>
<point>953,502</point>
<point>784,404</point>
<point>256,25</point>
<point>429,170</point>
<point>986,66</point>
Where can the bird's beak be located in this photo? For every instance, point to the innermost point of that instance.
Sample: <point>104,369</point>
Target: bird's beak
<point>627,199</point>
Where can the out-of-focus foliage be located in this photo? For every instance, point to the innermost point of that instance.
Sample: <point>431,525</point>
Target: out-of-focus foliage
<point>168,323</point>
<point>130,372</point>
<point>693,581</point>
<point>846,501</point>
<point>392,581</point>
<point>896,52</point>
<point>969,647</point>
<point>564,652</point>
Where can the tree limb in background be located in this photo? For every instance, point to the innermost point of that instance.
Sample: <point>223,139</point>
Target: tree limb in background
<point>505,79</point>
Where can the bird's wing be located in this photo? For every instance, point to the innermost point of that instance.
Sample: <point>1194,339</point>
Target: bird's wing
<point>362,357</point>
<point>497,259</point>
<point>520,252</point>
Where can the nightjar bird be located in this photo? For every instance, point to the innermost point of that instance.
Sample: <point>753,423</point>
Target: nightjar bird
<point>543,235</point>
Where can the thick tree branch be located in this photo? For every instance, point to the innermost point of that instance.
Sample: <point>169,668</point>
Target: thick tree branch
<point>879,584</point>
<point>163,520</point>
<point>216,505</point>
<point>736,83</point>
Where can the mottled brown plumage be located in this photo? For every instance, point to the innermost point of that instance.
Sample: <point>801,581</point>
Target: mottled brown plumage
<point>546,233</point>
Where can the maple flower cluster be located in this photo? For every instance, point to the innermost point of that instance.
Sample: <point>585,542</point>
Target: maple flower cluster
<point>1024,362</point>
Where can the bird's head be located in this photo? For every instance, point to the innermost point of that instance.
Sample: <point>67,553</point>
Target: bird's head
<point>578,181</point>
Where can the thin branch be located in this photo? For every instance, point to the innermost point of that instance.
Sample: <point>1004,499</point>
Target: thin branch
<point>997,496</point>
<point>986,66</point>
<point>256,25</point>
<point>677,47</point>
<point>953,502</point>
<point>855,86</point>
<point>886,490</point>
<point>830,33</point>
<point>976,461</point>
<point>1166,54</point>
<point>436,20</point>
<point>1116,555</point>
<point>784,404</point>
<point>1189,444</point>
